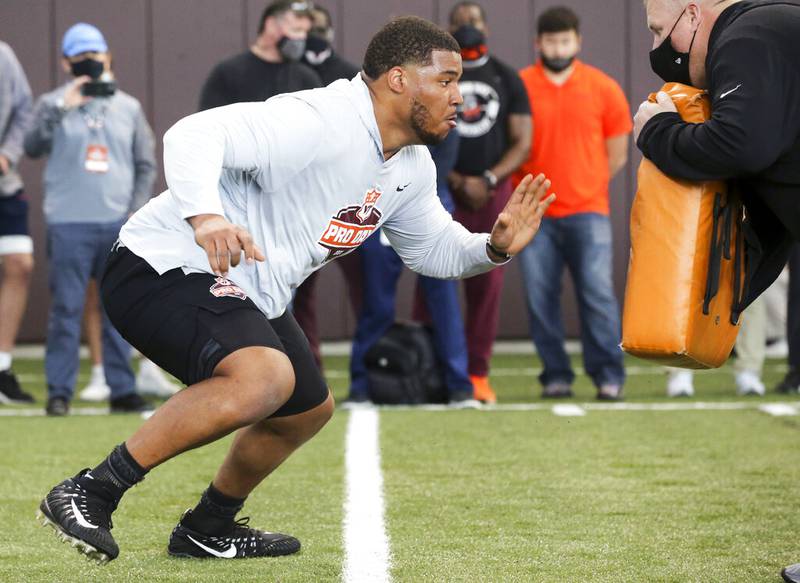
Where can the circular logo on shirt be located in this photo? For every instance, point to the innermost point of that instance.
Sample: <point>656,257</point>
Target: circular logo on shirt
<point>479,111</point>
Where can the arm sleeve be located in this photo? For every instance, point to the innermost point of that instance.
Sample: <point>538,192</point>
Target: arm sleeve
<point>431,243</point>
<point>274,139</point>
<point>144,158</point>
<point>617,118</point>
<point>215,91</point>
<point>519,102</point>
<point>39,137</point>
<point>744,134</point>
<point>22,109</point>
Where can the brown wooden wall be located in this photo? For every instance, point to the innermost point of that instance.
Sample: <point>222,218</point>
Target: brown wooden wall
<point>163,50</point>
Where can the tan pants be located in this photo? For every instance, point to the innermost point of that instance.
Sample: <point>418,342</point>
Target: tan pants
<point>752,340</point>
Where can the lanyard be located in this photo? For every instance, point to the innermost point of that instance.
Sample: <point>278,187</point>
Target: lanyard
<point>94,122</point>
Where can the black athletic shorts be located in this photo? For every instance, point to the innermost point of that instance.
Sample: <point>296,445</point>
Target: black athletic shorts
<point>187,324</point>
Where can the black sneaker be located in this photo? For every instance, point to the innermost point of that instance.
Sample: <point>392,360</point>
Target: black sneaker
<point>790,385</point>
<point>79,510</point>
<point>132,403</point>
<point>240,542</point>
<point>57,407</point>
<point>10,391</point>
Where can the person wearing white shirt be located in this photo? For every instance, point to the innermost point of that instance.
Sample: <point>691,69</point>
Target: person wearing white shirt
<point>261,195</point>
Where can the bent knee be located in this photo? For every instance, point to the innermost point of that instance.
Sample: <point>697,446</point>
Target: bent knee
<point>324,412</point>
<point>297,429</point>
<point>263,378</point>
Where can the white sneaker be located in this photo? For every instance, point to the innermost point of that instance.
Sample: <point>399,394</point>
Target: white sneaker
<point>97,390</point>
<point>152,381</point>
<point>749,383</point>
<point>680,383</point>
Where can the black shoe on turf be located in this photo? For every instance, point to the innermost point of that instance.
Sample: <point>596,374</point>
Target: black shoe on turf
<point>132,403</point>
<point>57,407</point>
<point>10,391</point>
<point>239,542</point>
<point>790,385</point>
<point>79,510</point>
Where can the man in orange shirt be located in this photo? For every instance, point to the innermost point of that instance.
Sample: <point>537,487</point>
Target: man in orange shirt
<point>582,124</point>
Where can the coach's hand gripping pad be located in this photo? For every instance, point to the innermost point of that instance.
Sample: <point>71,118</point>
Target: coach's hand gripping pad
<point>671,235</point>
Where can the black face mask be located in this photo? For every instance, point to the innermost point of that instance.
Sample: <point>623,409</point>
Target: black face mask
<point>318,50</point>
<point>89,67</point>
<point>672,66</point>
<point>472,42</point>
<point>292,49</point>
<point>559,64</point>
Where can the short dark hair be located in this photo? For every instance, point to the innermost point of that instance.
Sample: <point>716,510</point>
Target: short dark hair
<point>278,7</point>
<point>558,19</point>
<point>404,40</point>
<point>466,4</point>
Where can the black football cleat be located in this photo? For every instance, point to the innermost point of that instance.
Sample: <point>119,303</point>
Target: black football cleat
<point>79,511</point>
<point>239,542</point>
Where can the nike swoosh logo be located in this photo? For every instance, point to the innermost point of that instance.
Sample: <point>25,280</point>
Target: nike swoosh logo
<point>228,553</point>
<point>79,517</point>
<point>401,189</point>
<point>722,96</point>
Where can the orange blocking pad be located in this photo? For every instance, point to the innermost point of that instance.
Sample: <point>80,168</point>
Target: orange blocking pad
<point>686,262</point>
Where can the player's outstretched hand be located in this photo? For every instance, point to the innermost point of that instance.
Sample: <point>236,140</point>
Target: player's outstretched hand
<point>224,242</point>
<point>520,220</point>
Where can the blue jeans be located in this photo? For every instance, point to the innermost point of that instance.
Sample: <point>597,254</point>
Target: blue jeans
<point>582,242</point>
<point>382,267</point>
<point>77,252</point>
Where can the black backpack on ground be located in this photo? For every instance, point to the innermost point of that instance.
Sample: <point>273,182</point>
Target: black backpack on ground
<point>402,368</point>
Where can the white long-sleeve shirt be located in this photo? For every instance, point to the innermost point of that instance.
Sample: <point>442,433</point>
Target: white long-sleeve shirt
<point>304,173</point>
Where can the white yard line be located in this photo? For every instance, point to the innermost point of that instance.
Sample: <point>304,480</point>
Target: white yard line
<point>568,410</point>
<point>592,406</point>
<point>778,409</point>
<point>40,412</point>
<point>563,409</point>
<point>365,540</point>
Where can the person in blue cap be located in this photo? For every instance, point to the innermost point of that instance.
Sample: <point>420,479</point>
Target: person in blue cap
<point>100,169</point>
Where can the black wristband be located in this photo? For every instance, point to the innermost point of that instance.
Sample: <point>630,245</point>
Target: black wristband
<point>501,254</point>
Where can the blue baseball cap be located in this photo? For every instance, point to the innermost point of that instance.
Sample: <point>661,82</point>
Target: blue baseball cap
<point>83,38</point>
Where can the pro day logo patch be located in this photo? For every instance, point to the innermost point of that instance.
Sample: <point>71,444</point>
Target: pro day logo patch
<point>351,226</point>
<point>225,288</point>
<point>478,114</point>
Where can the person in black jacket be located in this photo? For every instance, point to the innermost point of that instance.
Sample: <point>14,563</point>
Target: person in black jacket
<point>271,65</point>
<point>744,53</point>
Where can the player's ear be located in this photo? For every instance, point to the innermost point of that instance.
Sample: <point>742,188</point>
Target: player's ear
<point>397,79</point>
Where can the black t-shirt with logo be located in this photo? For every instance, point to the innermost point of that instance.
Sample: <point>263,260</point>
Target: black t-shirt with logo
<point>492,91</point>
<point>246,77</point>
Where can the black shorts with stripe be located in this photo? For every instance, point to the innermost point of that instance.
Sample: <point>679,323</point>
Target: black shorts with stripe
<point>187,324</point>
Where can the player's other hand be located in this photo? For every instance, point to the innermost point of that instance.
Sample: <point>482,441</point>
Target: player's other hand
<point>224,242</point>
<point>520,219</point>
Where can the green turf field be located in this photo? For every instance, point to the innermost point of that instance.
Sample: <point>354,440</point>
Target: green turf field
<point>501,496</point>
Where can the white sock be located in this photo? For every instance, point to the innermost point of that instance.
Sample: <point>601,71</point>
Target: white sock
<point>97,371</point>
<point>5,360</point>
